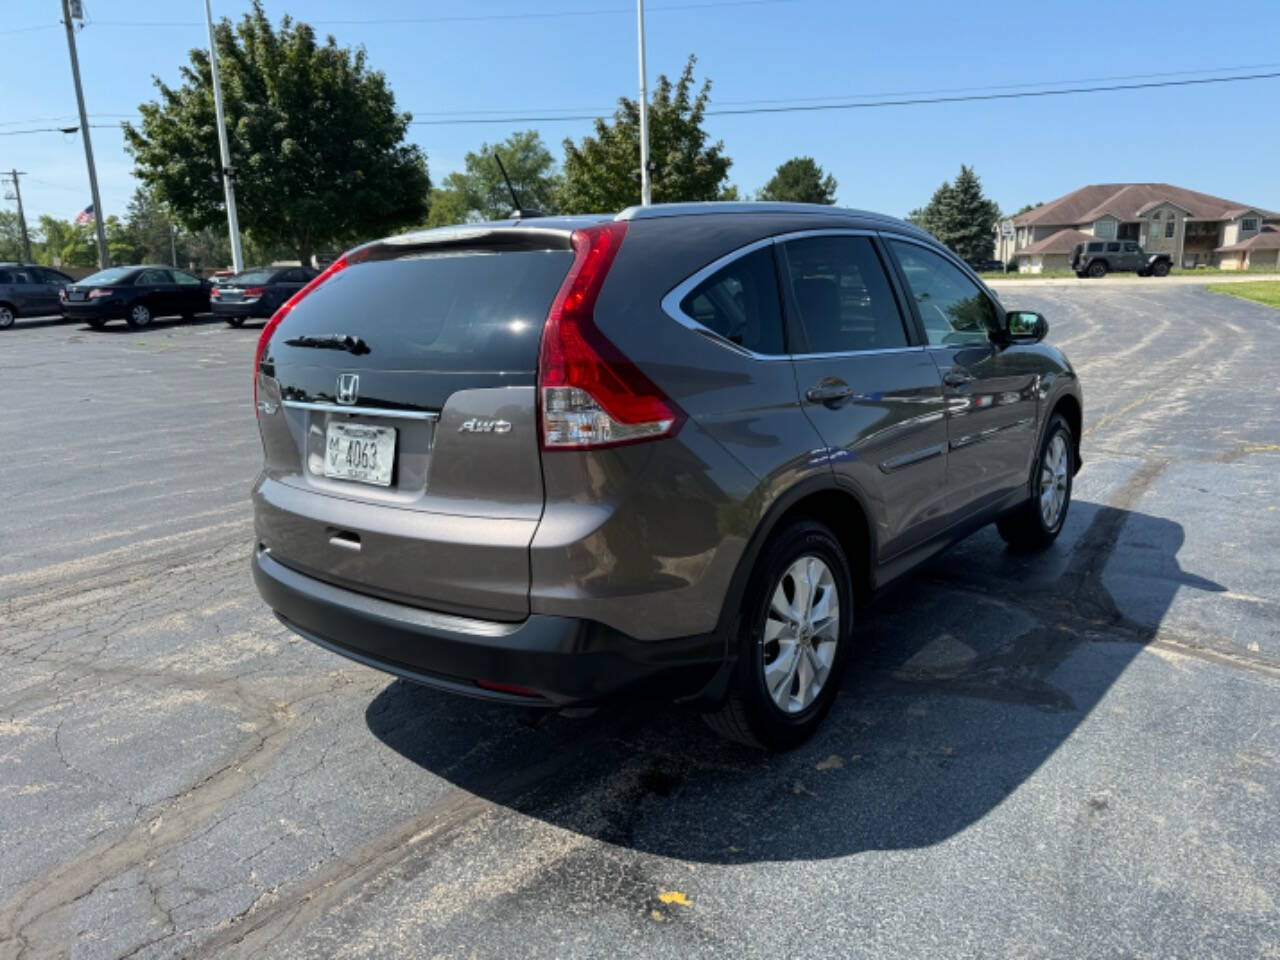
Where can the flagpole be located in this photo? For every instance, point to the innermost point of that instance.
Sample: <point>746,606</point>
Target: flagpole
<point>228,180</point>
<point>104,256</point>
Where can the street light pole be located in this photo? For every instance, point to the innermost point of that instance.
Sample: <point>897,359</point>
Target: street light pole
<point>228,180</point>
<point>104,258</point>
<point>646,190</point>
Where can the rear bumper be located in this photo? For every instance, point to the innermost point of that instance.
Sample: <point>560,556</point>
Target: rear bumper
<point>241,310</point>
<point>557,660</point>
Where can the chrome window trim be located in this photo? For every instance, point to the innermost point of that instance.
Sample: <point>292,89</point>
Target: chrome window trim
<point>363,411</point>
<point>671,302</point>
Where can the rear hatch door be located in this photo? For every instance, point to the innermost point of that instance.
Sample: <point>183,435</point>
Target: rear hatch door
<point>398,416</point>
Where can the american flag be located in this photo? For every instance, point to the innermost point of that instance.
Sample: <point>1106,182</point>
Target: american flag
<point>85,216</point>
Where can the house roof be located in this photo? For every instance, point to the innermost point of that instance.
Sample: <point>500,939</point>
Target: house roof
<point>1268,238</point>
<point>1064,241</point>
<point>1129,201</point>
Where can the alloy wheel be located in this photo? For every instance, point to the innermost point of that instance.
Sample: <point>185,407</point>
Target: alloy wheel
<point>6,317</point>
<point>801,632</point>
<point>1053,481</point>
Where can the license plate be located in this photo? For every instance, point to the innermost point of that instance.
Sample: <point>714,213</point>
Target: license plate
<point>359,452</point>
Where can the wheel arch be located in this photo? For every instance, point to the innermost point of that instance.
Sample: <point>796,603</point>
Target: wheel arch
<point>12,307</point>
<point>837,506</point>
<point>1069,406</point>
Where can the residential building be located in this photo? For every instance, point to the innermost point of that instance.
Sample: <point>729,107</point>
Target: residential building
<point>1195,229</point>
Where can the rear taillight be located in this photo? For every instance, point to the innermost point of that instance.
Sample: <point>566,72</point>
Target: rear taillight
<point>279,315</point>
<point>255,291</point>
<point>214,293</point>
<point>589,394</point>
<point>97,293</point>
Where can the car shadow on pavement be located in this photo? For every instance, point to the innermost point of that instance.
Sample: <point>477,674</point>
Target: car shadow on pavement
<point>969,677</point>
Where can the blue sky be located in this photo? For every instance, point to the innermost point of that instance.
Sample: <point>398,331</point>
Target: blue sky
<point>1219,139</point>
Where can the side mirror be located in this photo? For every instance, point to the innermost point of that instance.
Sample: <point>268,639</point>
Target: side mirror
<point>1026,326</point>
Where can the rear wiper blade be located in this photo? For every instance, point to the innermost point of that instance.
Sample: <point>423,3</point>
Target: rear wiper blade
<point>332,341</point>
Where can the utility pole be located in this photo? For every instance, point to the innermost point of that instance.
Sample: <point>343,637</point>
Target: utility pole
<point>22,220</point>
<point>104,258</point>
<point>646,191</point>
<point>173,245</point>
<point>228,173</point>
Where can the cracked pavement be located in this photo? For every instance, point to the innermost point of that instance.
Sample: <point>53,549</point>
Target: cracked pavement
<point>1071,754</point>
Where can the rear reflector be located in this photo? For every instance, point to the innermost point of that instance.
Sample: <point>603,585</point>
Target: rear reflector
<point>278,317</point>
<point>507,688</point>
<point>590,395</point>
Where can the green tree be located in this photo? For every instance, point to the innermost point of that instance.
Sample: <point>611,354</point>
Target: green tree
<point>960,216</point>
<point>478,192</point>
<point>317,144</point>
<point>11,236</point>
<point>62,242</point>
<point>602,173</point>
<point>800,180</point>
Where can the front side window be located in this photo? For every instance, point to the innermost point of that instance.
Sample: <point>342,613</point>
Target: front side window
<point>842,296</point>
<point>740,303</point>
<point>953,308</point>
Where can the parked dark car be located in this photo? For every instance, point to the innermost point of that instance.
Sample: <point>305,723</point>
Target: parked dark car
<point>677,450</point>
<point>136,295</point>
<point>258,293</point>
<point>986,266</point>
<point>28,290</point>
<point>1097,258</point>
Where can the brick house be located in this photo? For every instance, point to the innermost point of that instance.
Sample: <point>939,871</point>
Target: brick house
<point>1193,228</point>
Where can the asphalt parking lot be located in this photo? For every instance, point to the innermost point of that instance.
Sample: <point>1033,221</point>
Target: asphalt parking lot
<point>1075,754</point>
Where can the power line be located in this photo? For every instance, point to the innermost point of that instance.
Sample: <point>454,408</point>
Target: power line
<point>460,18</point>
<point>793,107</point>
<point>865,104</point>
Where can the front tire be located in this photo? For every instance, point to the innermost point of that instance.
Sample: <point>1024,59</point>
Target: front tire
<point>139,316</point>
<point>1037,523</point>
<point>7,316</point>
<point>792,640</point>
<point>1160,268</point>
<point>1097,269</point>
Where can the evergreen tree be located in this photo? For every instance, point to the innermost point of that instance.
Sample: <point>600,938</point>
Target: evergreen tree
<point>960,216</point>
<point>800,180</point>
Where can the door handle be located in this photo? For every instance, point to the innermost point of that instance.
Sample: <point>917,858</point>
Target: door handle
<point>956,378</point>
<point>830,392</point>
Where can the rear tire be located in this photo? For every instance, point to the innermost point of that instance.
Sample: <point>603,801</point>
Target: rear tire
<point>1037,523</point>
<point>139,316</point>
<point>1097,269</point>
<point>1160,268</point>
<point>96,322</point>
<point>7,316</point>
<point>792,640</point>
<point>234,321</point>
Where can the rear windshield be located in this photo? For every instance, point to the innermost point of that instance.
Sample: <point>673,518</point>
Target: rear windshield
<point>251,277</point>
<point>448,311</point>
<point>109,275</point>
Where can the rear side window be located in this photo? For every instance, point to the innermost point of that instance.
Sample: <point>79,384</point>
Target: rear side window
<point>740,302</point>
<point>1130,248</point>
<point>151,277</point>
<point>443,312</point>
<point>1113,248</point>
<point>842,295</point>
<point>5,277</point>
<point>186,279</point>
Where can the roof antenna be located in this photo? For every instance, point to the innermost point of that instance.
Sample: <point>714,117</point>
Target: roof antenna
<point>516,213</point>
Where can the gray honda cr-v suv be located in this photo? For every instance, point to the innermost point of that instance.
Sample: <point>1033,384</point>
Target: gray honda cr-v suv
<point>679,450</point>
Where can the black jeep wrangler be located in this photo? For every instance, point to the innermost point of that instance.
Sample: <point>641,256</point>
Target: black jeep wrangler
<point>1097,258</point>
